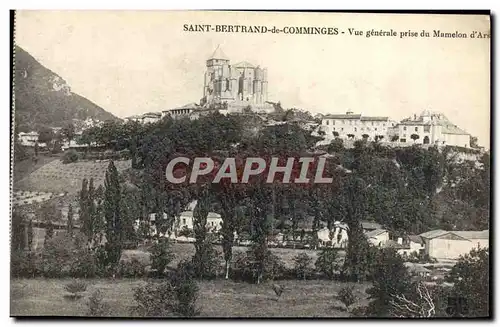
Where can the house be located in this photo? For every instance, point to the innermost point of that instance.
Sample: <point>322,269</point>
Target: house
<point>355,126</point>
<point>413,243</point>
<point>370,225</point>
<point>441,244</point>
<point>28,139</point>
<point>431,128</point>
<point>377,237</point>
<point>151,117</point>
<point>186,220</point>
<point>337,237</point>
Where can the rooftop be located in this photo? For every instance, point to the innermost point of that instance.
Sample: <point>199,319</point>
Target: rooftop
<point>218,54</point>
<point>244,64</point>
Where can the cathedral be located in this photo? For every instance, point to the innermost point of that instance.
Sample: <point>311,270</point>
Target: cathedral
<point>234,87</point>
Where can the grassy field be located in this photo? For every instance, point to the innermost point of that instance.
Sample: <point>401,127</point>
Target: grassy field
<point>217,298</point>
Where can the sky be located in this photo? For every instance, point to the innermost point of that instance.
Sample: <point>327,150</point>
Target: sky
<point>132,62</point>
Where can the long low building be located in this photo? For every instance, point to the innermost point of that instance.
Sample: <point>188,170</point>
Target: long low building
<point>441,244</point>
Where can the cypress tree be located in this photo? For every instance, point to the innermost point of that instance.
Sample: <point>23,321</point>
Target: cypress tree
<point>49,232</point>
<point>85,223</point>
<point>112,214</point>
<point>69,223</point>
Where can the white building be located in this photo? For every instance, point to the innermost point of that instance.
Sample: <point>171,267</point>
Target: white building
<point>28,139</point>
<point>441,244</point>
<point>183,111</point>
<point>355,126</point>
<point>430,128</point>
<point>377,237</point>
<point>151,117</point>
<point>214,221</point>
<point>337,237</point>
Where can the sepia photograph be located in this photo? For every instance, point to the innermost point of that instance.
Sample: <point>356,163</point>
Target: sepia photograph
<point>250,164</point>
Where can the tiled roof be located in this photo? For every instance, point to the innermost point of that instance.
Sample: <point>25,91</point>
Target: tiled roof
<point>415,239</point>
<point>433,233</point>
<point>218,54</point>
<point>342,116</point>
<point>374,118</point>
<point>244,64</point>
<point>370,225</point>
<point>473,234</point>
<point>375,232</point>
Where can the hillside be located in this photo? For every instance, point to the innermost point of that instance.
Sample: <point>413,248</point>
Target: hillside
<point>44,98</point>
<point>57,177</point>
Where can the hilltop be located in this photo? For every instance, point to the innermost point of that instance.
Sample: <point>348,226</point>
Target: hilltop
<point>43,98</point>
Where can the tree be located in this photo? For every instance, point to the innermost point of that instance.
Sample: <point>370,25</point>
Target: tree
<point>470,277</point>
<point>18,238</point>
<point>365,136</point>
<point>419,303</point>
<point>335,134</point>
<point>473,142</point>
<point>336,145</point>
<point>414,137</point>
<point>30,234</point>
<point>112,214</point>
<point>49,232</point>
<point>302,264</point>
<point>351,136</point>
<point>70,224</point>
<point>347,297</point>
<point>327,262</point>
<point>204,260</point>
<point>68,132</point>
<point>394,138</point>
<point>45,135</point>
<point>390,278</point>
<point>161,256</point>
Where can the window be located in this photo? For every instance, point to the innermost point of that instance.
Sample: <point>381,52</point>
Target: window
<point>334,128</point>
<point>328,122</point>
<point>404,128</point>
<point>427,128</point>
<point>342,129</point>
<point>372,123</point>
<point>375,128</point>
<point>333,122</point>
<point>355,129</point>
<point>416,129</point>
<point>184,221</point>
<point>403,140</point>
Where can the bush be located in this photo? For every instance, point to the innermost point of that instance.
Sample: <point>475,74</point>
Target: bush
<point>131,269</point>
<point>176,297</point>
<point>24,264</point>
<point>161,256</point>
<point>246,269</point>
<point>207,261</point>
<point>70,156</point>
<point>327,263</point>
<point>96,306</point>
<point>302,265</point>
<point>75,287</point>
<point>83,265</point>
<point>347,297</point>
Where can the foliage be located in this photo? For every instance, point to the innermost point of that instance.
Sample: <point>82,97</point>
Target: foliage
<point>75,287</point>
<point>161,255</point>
<point>347,297</point>
<point>336,145</point>
<point>70,156</point>
<point>96,305</point>
<point>176,297</point>
<point>131,269</point>
<point>112,214</point>
<point>70,223</point>
<point>327,262</point>
<point>24,264</point>
<point>390,277</point>
<point>302,264</point>
<point>470,277</point>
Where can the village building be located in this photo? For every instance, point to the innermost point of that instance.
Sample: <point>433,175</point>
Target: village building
<point>377,237</point>
<point>183,111</point>
<point>355,126</point>
<point>151,117</point>
<point>441,244</point>
<point>431,128</point>
<point>28,139</point>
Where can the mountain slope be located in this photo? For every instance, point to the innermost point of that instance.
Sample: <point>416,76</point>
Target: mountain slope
<point>42,98</point>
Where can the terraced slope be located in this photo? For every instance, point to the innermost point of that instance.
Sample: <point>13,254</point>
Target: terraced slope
<point>57,177</point>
